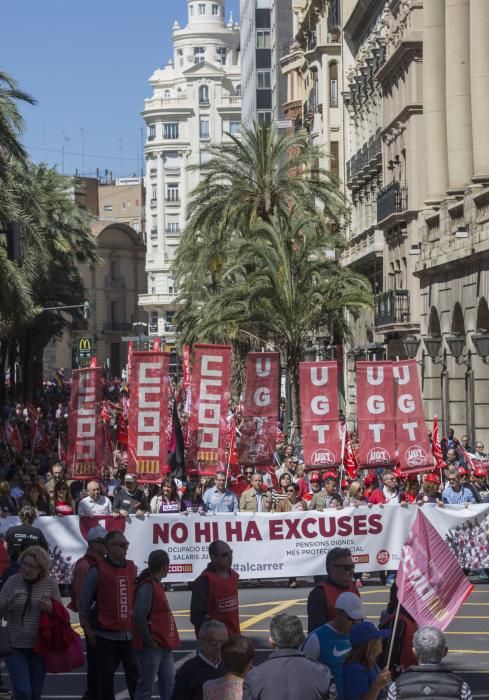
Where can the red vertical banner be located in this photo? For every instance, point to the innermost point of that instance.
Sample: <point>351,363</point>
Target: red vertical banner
<point>413,443</point>
<point>321,438</point>
<point>130,352</point>
<point>85,449</point>
<point>260,408</point>
<point>148,415</point>
<point>208,427</point>
<point>375,412</point>
<point>186,367</point>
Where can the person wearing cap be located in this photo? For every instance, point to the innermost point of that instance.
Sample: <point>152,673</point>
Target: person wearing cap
<point>430,491</point>
<point>388,493</point>
<point>430,678</point>
<point>339,579</point>
<point>328,497</point>
<point>479,481</point>
<point>362,677</point>
<point>411,488</point>
<point>330,643</point>
<point>455,492</point>
<point>130,499</point>
<point>95,551</point>
<point>95,503</point>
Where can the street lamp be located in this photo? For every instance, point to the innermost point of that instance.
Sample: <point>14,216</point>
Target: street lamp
<point>481,344</point>
<point>411,345</point>
<point>432,344</point>
<point>456,344</point>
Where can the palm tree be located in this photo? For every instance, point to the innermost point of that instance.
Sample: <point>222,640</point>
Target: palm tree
<point>283,281</point>
<point>11,121</point>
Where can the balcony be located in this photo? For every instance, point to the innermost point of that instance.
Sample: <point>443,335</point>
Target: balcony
<point>392,199</point>
<point>392,308</point>
<point>366,161</point>
<point>117,327</point>
<point>153,203</point>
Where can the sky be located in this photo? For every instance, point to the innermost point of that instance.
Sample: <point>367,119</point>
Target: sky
<point>87,64</point>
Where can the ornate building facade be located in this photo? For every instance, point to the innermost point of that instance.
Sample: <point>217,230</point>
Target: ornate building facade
<point>196,101</point>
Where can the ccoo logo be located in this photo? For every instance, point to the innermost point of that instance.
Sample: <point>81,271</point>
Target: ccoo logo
<point>378,455</point>
<point>323,456</point>
<point>415,456</point>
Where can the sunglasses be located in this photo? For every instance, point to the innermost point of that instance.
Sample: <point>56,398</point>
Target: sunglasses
<point>345,567</point>
<point>290,490</point>
<point>225,555</point>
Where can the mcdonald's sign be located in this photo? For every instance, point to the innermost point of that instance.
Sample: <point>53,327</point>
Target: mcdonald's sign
<point>84,345</point>
<point>84,352</point>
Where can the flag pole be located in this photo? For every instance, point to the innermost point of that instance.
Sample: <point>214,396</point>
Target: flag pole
<point>342,463</point>
<point>393,634</point>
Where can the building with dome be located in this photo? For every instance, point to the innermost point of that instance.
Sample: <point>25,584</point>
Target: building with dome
<point>196,101</point>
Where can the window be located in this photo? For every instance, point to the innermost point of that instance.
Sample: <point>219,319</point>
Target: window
<point>153,317</point>
<point>238,90</point>
<point>154,226</point>
<point>222,54</point>
<point>215,9</point>
<point>153,172</point>
<point>263,79</point>
<point>199,54</point>
<point>201,8</point>
<point>152,132</point>
<point>180,57</point>
<point>114,270</point>
<point>172,227</point>
<point>264,117</point>
<point>335,159</point>
<point>333,85</point>
<point>170,131</point>
<point>108,207</point>
<point>204,94</point>
<point>153,194</point>
<point>172,193</point>
<point>263,39</point>
<point>234,128</point>
<point>204,128</point>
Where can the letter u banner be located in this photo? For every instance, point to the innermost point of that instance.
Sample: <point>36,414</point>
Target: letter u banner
<point>208,428</point>
<point>259,428</point>
<point>412,439</point>
<point>321,440</point>
<point>148,416</point>
<point>375,411</point>
<point>85,448</point>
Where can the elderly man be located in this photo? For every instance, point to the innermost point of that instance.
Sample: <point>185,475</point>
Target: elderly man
<point>388,493</point>
<point>215,591</point>
<point>256,499</point>
<point>328,497</point>
<point>430,678</point>
<point>455,492</point>
<point>94,503</point>
<point>130,499</point>
<point>288,674</point>
<point>219,499</point>
<point>205,666</point>
<point>322,599</point>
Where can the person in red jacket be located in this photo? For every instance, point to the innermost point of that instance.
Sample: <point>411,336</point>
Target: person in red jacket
<point>215,591</point>
<point>155,633</point>
<point>321,601</point>
<point>106,608</point>
<point>388,492</point>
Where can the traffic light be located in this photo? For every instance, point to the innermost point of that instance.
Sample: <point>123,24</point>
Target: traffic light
<point>13,240</point>
<point>86,310</point>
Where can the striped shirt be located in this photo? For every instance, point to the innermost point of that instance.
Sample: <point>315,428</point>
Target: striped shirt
<point>24,633</point>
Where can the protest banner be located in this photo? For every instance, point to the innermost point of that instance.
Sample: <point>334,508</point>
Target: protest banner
<point>260,408</point>
<point>272,545</point>
<point>375,410</point>
<point>412,440</point>
<point>85,446</point>
<point>186,367</point>
<point>148,416</point>
<point>208,428</point>
<point>321,439</point>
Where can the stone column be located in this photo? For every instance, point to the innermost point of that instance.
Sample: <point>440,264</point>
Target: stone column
<point>479,85</point>
<point>148,211</point>
<point>326,108</point>
<point>434,112</point>
<point>459,118</point>
<point>183,190</point>
<point>160,172</point>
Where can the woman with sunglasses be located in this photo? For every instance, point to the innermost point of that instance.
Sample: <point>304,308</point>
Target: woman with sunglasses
<point>292,502</point>
<point>280,493</point>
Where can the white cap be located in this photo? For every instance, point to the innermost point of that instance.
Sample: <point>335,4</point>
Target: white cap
<point>350,604</point>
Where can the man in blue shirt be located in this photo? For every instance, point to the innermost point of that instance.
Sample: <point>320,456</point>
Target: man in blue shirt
<point>219,499</point>
<point>455,492</point>
<point>330,643</point>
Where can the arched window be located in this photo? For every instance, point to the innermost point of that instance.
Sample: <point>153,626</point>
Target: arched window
<point>204,94</point>
<point>434,328</point>
<point>238,90</point>
<point>333,84</point>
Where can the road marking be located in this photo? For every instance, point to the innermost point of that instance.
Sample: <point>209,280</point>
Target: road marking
<point>268,613</point>
<point>474,633</point>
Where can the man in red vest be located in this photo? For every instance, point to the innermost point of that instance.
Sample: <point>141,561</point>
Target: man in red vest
<point>215,591</point>
<point>106,608</point>
<point>322,598</point>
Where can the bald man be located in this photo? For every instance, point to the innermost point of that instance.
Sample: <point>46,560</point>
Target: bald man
<point>95,503</point>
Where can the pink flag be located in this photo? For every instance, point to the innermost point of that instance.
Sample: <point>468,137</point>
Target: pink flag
<point>431,584</point>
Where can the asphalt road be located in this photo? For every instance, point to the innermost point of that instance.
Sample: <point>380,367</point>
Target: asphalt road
<point>468,635</point>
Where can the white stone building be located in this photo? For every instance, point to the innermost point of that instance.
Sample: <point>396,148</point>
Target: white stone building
<point>196,101</point>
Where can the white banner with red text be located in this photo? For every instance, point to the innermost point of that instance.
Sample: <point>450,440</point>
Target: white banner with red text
<point>273,545</point>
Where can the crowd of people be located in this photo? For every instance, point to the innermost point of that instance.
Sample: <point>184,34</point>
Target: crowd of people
<point>341,655</point>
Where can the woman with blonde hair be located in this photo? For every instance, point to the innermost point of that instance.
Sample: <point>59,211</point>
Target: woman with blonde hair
<point>22,600</point>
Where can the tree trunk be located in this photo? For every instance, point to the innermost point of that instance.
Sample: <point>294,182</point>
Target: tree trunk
<point>293,377</point>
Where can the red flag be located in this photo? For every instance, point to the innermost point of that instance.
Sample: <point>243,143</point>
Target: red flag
<point>148,415</point>
<point>41,441</point>
<point>467,458</point>
<point>350,461</point>
<point>156,345</point>
<point>436,446</point>
<point>431,585</point>
<point>375,409</point>
<point>211,376</point>
<point>233,452</point>
<point>13,437</point>
<point>108,447</point>
<point>93,362</point>
<point>186,367</point>
<point>321,439</point>
<point>259,427</point>
<point>85,451</point>
<point>61,450</point>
